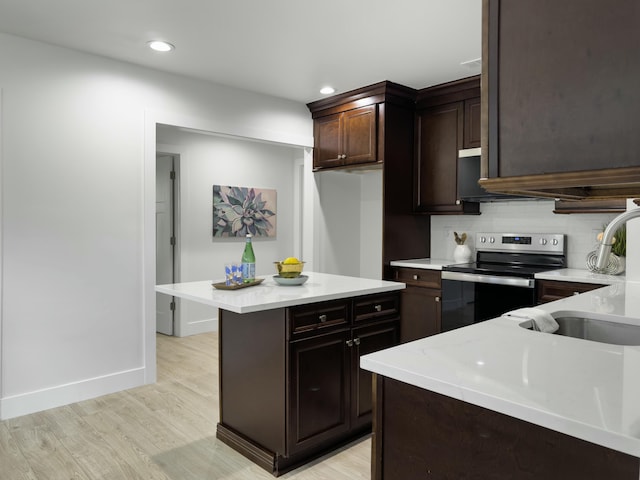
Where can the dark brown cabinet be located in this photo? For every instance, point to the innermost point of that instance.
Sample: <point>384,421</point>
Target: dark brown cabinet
<point>611,205</point>
<point>550,290</point>
<point>419,434</point>
<point>562,106</point>
<point>367,340</point>
<point>421,304</point>
<point>472,124</point>
<point>320,372</point>
<point>330,394</point>
<point>447,120</point>
<point>373,127</point>
<point>347,138</point>
<point>291,387</point>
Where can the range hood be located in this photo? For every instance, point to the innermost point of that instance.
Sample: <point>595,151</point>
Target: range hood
<point>469,166</point>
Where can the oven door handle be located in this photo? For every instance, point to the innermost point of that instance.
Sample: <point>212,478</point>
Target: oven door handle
<point>492,279</point>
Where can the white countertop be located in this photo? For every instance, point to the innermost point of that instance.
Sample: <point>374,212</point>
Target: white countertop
<point>423,263</point>
<point>269,295</point>
<point>585,389</point>
<point>580,276</point>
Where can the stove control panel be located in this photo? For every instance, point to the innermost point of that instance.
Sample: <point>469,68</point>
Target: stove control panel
<point>553,243</point>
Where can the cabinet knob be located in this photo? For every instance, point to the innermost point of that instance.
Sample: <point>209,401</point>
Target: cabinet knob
<point>415,277</point>
<point>356,341</point>
<point>378,308</point>
<point>322,318</point>
<point>437,299</point>
<point>349,343</point>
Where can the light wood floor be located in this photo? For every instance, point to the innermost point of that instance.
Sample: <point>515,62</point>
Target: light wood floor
<point>164,431</point>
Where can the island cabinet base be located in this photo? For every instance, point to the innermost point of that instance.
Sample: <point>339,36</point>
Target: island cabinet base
<point>291,387</point>
<point>276,463</point>
<point>419,434</point>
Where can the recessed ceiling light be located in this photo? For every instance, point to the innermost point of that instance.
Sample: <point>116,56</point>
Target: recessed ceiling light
<point>327,90</point>
<point>160,46</point>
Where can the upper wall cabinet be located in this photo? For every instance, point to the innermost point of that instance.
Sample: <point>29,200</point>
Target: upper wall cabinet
<point>348,138</point>
<point>447,120</point>
<point>561,111</point>
<point>374,127</point>
<point>349,129</point>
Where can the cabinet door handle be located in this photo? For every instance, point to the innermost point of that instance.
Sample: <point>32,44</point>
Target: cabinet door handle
<point>356,341</point>
<point>349,343</point>
<point>437,299</point>
<point>416,277</point>
<point>322,318</point>
<point>378,308</point>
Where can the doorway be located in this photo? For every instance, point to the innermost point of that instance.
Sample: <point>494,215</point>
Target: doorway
<point>166,239</point>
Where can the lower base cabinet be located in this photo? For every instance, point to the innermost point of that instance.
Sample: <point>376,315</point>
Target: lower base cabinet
<point>421,303</point>
<point>420,434</point>
<point>291,387</point>
<point>551,290</point>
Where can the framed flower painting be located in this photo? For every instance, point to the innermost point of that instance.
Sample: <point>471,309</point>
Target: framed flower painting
<point>241,210</point>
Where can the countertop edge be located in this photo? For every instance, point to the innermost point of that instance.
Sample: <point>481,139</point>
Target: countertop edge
<point>580,276</point>
<point>423,263</point>
<point>397,364</point>
<point>203,292</point>
<point>573,428</point>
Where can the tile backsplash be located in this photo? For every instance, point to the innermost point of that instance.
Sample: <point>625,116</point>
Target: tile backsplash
<point>521,216</point>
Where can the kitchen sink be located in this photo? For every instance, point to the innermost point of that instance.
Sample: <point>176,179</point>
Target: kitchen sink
<point>594,329</point>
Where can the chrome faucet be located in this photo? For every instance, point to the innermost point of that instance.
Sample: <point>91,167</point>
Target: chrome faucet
<point>604,250</point>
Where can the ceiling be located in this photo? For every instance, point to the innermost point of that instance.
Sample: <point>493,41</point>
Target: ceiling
<point>285,48</point>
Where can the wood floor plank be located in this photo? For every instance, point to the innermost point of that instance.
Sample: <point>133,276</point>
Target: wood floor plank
<point>47,456</point>
<point>14,465</point>
<point>164,431</point>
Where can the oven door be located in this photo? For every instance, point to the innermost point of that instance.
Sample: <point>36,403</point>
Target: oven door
<point>468,298</point>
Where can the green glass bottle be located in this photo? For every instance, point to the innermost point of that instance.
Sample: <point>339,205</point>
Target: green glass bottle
<point>248,262</point>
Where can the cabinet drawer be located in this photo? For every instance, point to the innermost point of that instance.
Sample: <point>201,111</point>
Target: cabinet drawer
<point>550,290</point>
<point>376,307</point>
<point>318,315</point>
<point>418,277</point>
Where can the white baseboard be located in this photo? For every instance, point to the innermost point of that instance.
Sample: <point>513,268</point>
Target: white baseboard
<point>200,326</point>
<point>25,403</point>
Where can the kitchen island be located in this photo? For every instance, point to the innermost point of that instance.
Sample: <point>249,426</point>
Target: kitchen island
<point>495,400</point>
<point>290,384</point>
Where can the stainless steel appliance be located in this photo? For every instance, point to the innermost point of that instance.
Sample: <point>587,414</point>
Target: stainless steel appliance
<point>502,277</point>
<point>468,176</point>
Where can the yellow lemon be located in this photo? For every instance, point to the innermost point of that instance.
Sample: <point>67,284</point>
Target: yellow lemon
<point>291,261</point>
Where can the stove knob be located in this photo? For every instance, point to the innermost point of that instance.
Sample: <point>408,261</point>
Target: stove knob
<point>483,239</point>
<point>492,240</point>
<point>543,241</point>
<point>555,241</point>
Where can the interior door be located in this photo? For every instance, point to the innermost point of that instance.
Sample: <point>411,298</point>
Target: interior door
<point>165,241</point>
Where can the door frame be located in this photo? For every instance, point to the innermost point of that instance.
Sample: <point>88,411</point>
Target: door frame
<point>173,151</point>
<point>310,207</point>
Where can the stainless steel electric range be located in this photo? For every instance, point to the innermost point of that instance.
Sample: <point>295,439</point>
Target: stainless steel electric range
<point>502,277</point>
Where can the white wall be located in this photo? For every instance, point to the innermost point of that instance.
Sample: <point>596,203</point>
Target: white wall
<point>350,216</point>
<point>371,225</point>
<point>521,216</point>
<point>206,160</point>
<point>78,159</point>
